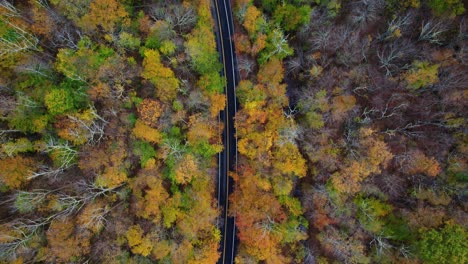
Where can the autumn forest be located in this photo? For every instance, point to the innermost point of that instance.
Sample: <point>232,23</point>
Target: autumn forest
<point>352,143</point>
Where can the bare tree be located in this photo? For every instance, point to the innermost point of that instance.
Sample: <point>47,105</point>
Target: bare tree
<point>432,31</point>
<point>366,11</point>
<point>396,56</point>
<point>95,129</point>
<point>396,27</point>
<point>23,40</point>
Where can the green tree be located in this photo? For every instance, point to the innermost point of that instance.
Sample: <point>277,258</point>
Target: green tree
<point>59,101</point>
<point>290,17</point>
<point>449,7</point>
<point>447,245</point>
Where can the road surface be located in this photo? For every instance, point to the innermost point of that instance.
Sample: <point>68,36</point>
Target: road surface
<point>227,158</point>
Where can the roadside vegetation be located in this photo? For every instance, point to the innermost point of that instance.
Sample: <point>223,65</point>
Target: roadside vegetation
<point>109,132</point>
<point>352,131</point>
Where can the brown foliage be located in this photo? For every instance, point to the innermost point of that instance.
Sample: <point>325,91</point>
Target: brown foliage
<point>64,243</point>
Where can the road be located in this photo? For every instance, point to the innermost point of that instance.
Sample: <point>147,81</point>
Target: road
<point>227,158</point>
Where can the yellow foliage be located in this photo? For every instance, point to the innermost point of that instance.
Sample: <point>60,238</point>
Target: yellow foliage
<point>145,248</point>
<point>201,129</point>
<point>134,235</point>
<point>142,131</point>
<point>161,249</point>
<point>150,195</point>
<point>137,242</point>
<point>422,74</point>
<point>162,77</point>
<point>288,160</point>
<point>112,177</point>
<point>217,103</point>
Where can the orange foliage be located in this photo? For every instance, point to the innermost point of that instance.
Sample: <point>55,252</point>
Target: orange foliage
<point>99,91</point>
<point>251,22</point>
<point>257,210</point>
<point>420,163</point>
<point>43,23</point>
<point>64,244</point>
<point>342,104</point>
<point>375,155</point>
<point>271,73</point>
<point>107,162</point>
<point>242,43</point>
<point>92,216</point>
<point>149,112</point>
<point>259,44</point>
<point>14,171</point>
<point>104,13</point>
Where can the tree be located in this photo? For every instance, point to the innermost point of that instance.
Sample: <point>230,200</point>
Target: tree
<point>84,63</point>
<point>44,23</point>
<point>15,171</point>
<point>186,169</point>
<point>93,216</point>
<point>201,44</point>
<point>277,45</point>
<point>253,21</point>
<point>20,145</point>
<point>422,74</point>
<point>64,244</point>
<point>145,132</point>
<point>105,14</point>
<point>14,37</point>
<point>150,195</point>
<point>288,160</point>
<point>450,7</point>
<point>291,17</point>
<point>149,112</point>
<point>59,101</point>
<point>371,213</point>
<point>107,161</point>
<point>374,156</point>
<point>145,151</point>
<point>446,245</point>
<point>419,163</point>
<point>138,243</point>
<point>162,77</point>
<point>342,104</point>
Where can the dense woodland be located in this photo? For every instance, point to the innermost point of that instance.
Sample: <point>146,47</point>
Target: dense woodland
<point>109,132</point>
<point>351,131</point>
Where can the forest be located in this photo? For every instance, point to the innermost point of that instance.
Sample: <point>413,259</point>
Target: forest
<point>351,131</point>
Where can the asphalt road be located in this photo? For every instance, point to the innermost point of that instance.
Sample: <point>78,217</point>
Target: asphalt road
<point>227,158</point>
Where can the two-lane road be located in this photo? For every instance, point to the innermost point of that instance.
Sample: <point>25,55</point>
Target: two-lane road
<point>227,158</point>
